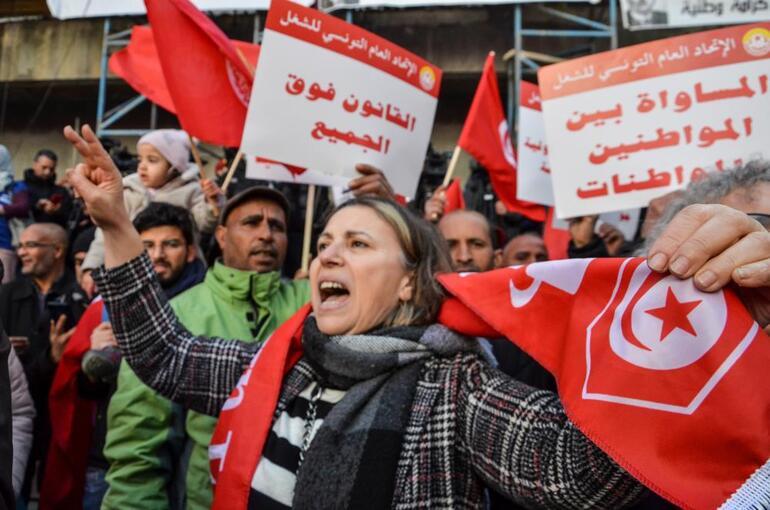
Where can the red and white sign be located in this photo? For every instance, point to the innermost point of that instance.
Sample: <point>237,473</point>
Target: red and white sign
<point>328,95</point>
<point>626,221</point>
<point>534,173</point>
<point>257,168</point>
<point>636,123</point>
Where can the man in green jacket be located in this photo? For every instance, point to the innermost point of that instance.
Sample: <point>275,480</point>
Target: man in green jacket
<point>242,297</point>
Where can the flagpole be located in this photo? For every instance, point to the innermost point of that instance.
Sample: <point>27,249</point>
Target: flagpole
<point>231,171</point>
<point>197,157</point>
<point>308,227</point>
<point>452,164</point>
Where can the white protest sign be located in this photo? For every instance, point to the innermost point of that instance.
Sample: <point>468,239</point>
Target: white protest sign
<point>625,221</point>
<point>256,168</point>
<point>649,14</point>
<point>330,5</point>
<point>69,9</point>
<point>533,172</point>
<point>636,123</point>
<point>328,95</point>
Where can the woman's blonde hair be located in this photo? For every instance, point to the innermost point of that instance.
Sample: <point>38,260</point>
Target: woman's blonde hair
<point>424,255</point>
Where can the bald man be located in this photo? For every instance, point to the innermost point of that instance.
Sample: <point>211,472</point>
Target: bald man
<point>469,237</point>
<point>524,249</point>
<point>39,311</point>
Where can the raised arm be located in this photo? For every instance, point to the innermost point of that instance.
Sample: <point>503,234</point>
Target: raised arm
<point>197,372</point>
<point>521,442</point>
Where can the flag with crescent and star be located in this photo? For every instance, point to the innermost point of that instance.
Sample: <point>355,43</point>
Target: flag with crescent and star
<point>666,379</point>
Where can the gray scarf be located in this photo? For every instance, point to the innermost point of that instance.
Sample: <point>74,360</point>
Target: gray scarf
<point>352,460</point>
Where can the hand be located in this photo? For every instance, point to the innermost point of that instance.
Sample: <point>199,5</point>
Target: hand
<point>87,284</point>
<point>47,206</point>
<point>612,237</point>
<point>213,193</point>
<point>102,336</point>
<point>97,181</point>
<point>581,229</point>
<point>59,338</point>
<point>716,245</point>
<point>301,274</point>
<point>372,182</point>
<point>434,206</point>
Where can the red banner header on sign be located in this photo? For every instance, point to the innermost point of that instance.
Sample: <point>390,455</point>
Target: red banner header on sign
<point>659,58</point>
<point>328,32</point>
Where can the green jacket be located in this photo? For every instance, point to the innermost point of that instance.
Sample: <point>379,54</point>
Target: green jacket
<point>141,436</point>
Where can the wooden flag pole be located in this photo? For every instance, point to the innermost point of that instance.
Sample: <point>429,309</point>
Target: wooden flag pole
<point>245,61</point>
<point>452,164</point>
<point>231,171</point>
<point>308,227</point>
<point>197,157</point>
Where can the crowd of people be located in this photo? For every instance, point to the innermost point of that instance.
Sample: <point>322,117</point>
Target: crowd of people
<point>132,305</point>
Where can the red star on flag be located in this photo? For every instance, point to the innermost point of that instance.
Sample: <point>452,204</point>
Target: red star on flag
<point>674,314</point>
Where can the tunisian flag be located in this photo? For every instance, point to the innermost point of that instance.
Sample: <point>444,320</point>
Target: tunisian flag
<point>139,65</point>
<point>485,136</point>
<point>209,83</point>
<point>454,197</point>
<point>666,379</point>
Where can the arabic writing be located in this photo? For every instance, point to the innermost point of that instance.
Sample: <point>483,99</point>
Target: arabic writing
<point>655,179</point>
<point>707,136</point>
<point>297,86</point>
<point>682,102</point>
<point>540,148</point>
<point>360,45</point>
<point>723,46</point>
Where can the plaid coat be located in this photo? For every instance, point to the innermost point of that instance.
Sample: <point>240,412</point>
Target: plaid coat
<point>470,426</point>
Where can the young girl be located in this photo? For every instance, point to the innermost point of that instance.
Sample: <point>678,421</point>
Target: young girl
<point>164,174</point>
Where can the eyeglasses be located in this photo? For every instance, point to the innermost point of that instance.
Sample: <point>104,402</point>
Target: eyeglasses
<point>31,245</point>
<point>763,219</point>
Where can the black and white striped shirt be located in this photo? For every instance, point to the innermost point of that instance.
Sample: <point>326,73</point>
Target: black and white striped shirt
<point>272,487</point>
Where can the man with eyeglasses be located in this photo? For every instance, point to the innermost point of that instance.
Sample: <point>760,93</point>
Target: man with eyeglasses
<point>39,312</point>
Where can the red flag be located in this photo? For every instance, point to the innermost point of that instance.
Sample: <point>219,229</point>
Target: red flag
<point>209,83</point>
<point>454,197</point>
<point>556,240</point>
<point>486,137</point>
<point>662,377</point>
<point>138,64</point>
<point>65,474</point>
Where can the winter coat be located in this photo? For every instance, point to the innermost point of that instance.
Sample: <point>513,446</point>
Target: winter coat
<point>40,189</point>
<point>23,410</point>
<point>235,304</point>
<point>6,447</point>
<point>183,191</point>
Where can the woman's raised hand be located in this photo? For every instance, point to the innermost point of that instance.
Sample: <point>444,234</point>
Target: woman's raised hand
<point>97,180</point>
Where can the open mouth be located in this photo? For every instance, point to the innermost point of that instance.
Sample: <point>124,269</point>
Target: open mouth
<point>333,293</point>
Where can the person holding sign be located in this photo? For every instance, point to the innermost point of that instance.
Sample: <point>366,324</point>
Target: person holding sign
<point>409,412</point>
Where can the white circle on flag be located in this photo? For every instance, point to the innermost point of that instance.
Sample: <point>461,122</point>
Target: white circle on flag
<point>647,344</point>
<point>505,143</point>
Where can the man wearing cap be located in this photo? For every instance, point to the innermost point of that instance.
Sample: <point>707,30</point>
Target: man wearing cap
<point>242,297</point>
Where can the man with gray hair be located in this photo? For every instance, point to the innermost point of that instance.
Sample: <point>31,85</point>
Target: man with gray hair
<point>745,188</point>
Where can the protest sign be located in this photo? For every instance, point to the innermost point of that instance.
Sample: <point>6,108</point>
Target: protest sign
<point>69,9</point>
<point>648,14</point>
<point>257,168</point>
<point>328,95</point>
<point>534,174</point>
<point>330,5</point>
<point>636,123</point>
<point>627,222</point>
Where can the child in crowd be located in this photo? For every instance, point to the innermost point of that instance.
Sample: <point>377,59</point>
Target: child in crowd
<point>164,174</point>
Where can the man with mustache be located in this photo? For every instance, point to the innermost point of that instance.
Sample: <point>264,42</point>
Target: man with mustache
<point>469,237</point>
<point>242,297</point>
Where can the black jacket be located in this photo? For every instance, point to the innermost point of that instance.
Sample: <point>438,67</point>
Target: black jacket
<point>47,188</point>
<point>6,449</point>
<point>21,314</point>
